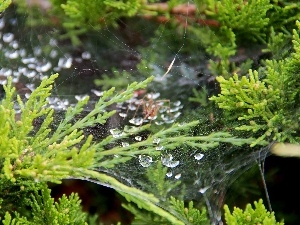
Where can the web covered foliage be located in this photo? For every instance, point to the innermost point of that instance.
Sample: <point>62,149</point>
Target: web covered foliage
<point>264,100</point>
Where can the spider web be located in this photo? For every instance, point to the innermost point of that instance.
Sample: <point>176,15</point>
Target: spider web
<point>31,54</point>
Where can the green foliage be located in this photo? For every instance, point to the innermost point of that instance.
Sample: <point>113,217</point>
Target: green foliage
<point>45,211</point>
<point>52,152</point>
<point>247,18</point>
<point>190,214</point>
<point>4,4</point>
<point>256,215</point>
<point>264,105</point>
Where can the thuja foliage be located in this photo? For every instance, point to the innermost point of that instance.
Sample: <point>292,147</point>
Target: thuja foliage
<point>33,154</point>
<point>265,101</point>
<point>251,215</point>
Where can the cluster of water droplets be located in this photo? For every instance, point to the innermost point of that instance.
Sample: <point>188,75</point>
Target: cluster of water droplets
<point>148,108</point>
<point>31,65</point>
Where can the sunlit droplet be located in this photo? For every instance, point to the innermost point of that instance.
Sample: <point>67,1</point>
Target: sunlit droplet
<point>198,156</point>
<point>159,148</point>
<point>80,97</point>
<point>168,161</point>
<point>125,144</point>
<point>116,133</point>
<point>86,55</point>
<point>123,115</point>
<point>169,174</point>
<point>156,140</point>
<point>136,121</point>
<point>97,93</point>
<point>8,37</point>
<point>145,160</point>
<point>177,176</point>
<point>203,190</point>
<point>138,138</point>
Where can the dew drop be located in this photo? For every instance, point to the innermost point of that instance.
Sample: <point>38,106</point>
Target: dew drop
<point>156,140</point>
<point>145,160</point>
<point>125,144</point>
<point>116,133</point>
<point>138,138</point>
<point>177,103</point>
<point>44,67</point>
<point>168,161</point>
<point>80,97</point>
<point>123,115</point>
<point>86,55</point>
<point>65,63</point>
<point>153,95</point>
<point>37,51</point>
<point>28,60</point>
<point>131,107</point>
<point>167,118</point>
<point>203,190</point>
<point>8,37</point>
<point>136,121</point>
<point>178,176</point>
<point>198,156</point>
<point>97,93</point>
<point>169,174</point>
<point>14,44</point>
<point>27,95</point>
<point>159,148</point>
<point>12,54</point>
<point>53,53</point>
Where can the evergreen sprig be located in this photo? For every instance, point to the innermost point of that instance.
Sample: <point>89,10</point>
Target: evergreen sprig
<point>251,215</point>
<point>264,105</point>
<point>66,211</point>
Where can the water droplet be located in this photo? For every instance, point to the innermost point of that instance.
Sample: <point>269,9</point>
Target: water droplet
<point>28,60</point>
<point>203,190</point>
<point>97,93</point>
<point>177,103</point>
<point>167,118</point>
<point>65,63</point>
<point>53,42</point>
<point>131,107</point>
<point>53,53</point>
<point>37,51</point>
<point>6,72</point>
<point>153,95</point>
<point>123,115</point>
<point>116,133</point>
<point>44,67</point>
<point>159,148</point>
<point>169,174</point>
<point>137,121</point>
<point>125,144</point>
<point>138,138</point>
<point>86,55</point>
<point>12,54</point>
<point>168,161</point>
<point>8,37</point>
<point>31,66</point>
<point>27,95</point>
<point>14,44</point>
<point>178,176</point>
<point>145,160</point>
<point>156,140</point>
<point>30,74</point>
<point>80,97</point>
<point>198,156</point>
